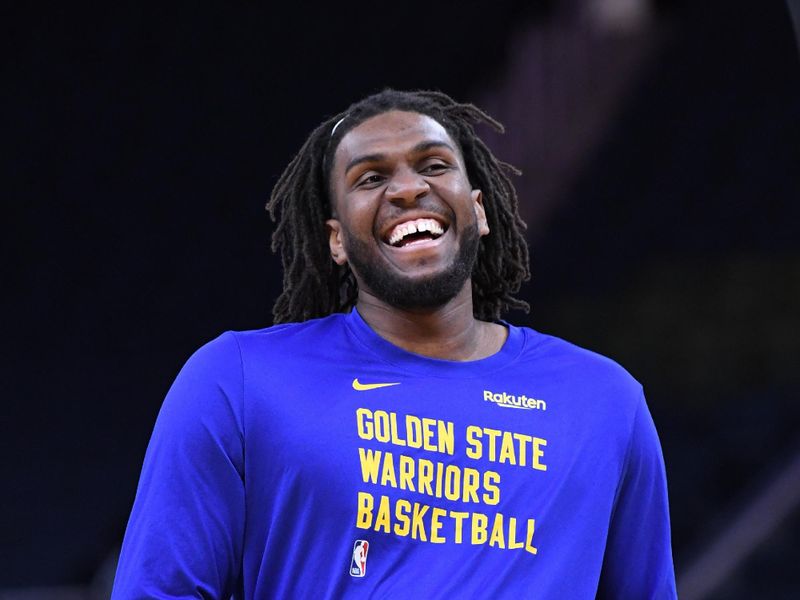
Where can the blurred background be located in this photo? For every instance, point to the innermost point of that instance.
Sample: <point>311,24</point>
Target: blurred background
<point>659,145</point>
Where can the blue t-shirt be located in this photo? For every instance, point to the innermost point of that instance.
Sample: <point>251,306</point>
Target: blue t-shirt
<point>317,460</point>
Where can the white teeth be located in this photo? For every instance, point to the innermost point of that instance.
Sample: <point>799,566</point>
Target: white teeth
<point>403,229</point>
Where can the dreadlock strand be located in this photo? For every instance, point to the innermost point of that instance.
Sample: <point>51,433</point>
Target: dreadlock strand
<point>299,212</point>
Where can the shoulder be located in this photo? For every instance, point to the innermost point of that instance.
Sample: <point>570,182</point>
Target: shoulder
<point>242,362</point>
<point>288,331</point>
<point>287,338</point>
<point>581,367</point>
<point>224,356</point>
<point>567,354</point>
<point>269,347</point>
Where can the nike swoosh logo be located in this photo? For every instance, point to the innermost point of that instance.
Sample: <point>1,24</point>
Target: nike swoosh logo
<point>363,387</point>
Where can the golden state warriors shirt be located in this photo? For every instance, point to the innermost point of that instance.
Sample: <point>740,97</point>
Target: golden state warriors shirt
<point>317,460</point>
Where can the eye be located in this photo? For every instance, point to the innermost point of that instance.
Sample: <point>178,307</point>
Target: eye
<point>434,168</point>
<point>369,180</point>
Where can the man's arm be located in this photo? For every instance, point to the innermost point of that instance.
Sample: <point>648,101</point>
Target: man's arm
<point>638,558</point>
<point>184,536</point>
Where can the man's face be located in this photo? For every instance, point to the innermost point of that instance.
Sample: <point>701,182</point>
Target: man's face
<point>406,218</point>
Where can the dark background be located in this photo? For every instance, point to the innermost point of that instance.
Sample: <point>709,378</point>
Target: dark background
<point>141,144</point>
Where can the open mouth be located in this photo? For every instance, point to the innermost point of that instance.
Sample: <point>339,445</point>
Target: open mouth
<point>415,231</point>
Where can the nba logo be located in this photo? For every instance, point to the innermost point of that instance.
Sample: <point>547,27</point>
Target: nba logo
<point>358,564</point>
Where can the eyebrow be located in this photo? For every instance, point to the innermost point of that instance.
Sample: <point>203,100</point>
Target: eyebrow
<point>419,148</point>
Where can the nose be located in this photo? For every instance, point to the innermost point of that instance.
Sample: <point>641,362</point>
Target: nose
<point>406,187</point>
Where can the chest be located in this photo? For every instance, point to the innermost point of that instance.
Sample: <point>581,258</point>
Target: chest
<point>465,444</point>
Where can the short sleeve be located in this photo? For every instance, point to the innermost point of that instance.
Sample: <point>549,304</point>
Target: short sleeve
<point>184,536</point>
<point>638,559</point>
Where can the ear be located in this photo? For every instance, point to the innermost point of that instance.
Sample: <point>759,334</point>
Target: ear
<point>338,253</point>
<point>480,212</point>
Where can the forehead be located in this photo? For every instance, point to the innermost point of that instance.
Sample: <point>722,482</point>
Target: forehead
<point>389,133</point>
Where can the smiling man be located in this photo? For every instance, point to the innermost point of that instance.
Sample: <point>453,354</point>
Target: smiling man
<point>391,436</point>
<point>408,222</point>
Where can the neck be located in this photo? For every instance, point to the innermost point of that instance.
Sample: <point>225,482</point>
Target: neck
<point>449,331</point>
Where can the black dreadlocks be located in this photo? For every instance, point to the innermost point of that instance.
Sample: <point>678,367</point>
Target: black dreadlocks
<point>314,285</point>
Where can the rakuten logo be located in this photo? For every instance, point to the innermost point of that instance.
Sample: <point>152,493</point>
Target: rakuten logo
<point>504,400</point>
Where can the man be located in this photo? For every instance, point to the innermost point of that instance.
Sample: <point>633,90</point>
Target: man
<point>391,436</point>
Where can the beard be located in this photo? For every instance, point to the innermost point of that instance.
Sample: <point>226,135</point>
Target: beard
<point>408,293</point>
